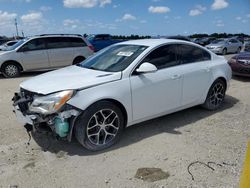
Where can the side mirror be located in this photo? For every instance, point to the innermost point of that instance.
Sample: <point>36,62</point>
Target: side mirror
<point>146,68</point>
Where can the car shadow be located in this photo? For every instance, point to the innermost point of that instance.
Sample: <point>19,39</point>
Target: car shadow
<point>168,124</point>
<point>241,78</point>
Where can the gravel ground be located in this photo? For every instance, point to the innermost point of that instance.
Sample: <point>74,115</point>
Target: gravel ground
<point>170,143</point>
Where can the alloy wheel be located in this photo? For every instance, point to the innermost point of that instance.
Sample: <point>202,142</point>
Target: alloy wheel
<point>217,95</point>
<point>103,127</point>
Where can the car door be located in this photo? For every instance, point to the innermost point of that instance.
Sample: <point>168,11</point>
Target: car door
<point>34,54</point>
<point>158,92</point>
<point>60,52</point>
<point>195,64</point>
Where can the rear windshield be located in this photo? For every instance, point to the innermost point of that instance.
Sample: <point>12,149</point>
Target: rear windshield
<point>113,59</point>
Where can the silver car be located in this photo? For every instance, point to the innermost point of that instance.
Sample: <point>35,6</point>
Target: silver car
<point>43,52</point>
<point>224,46</point>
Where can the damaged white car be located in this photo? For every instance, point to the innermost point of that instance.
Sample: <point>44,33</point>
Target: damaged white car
<point>124,84</point>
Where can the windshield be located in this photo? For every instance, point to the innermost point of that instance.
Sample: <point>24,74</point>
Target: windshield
<point>113,59</point>
<point>13,47</point>
<point>218,41</point>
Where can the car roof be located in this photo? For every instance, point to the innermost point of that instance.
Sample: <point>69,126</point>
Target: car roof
<point>154,42</point>
<point>56,35</point>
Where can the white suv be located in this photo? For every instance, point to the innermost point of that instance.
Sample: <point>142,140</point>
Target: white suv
<point>44,52</point>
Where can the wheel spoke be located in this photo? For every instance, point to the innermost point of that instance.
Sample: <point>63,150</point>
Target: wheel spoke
<point>103,127</point>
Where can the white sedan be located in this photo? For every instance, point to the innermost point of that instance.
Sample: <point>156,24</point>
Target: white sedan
<point>124,84</point>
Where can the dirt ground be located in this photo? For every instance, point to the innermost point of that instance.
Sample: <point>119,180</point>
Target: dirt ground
<point>170,143</point>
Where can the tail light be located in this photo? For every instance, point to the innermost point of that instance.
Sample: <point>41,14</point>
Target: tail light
<point>91,48</point>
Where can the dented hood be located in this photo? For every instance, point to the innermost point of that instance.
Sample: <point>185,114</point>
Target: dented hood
<point>72,77</point>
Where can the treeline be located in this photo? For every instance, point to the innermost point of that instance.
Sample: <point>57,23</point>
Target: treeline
<point>123,37</point>
<point>219,35</point>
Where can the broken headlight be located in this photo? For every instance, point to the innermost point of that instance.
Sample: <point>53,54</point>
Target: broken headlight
<point>51,103</point>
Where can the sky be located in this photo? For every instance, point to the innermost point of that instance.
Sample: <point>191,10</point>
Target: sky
<point>125,17</point>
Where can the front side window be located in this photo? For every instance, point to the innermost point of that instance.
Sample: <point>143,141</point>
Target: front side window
<point>35,44</point>
<point>113,59</point>
<point>163,57</point>
<point>191,54</point>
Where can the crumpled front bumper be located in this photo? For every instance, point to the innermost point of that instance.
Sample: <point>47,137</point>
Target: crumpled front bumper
<point>21,102</point>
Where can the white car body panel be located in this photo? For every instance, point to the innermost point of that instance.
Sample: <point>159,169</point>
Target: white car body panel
<point>68,78</point>
<point>144,96</point>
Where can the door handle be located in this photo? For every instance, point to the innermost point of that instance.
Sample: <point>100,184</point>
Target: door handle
<point>176,77</point>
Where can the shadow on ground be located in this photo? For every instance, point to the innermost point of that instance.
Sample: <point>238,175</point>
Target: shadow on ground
<point>241,78</point>
<point>136,133</point>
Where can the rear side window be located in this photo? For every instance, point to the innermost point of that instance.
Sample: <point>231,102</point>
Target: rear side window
<point>58,42</point>
<point>77,42</point>
<point>163,57</point>
<point>35,44</point>
<point>191,54</point>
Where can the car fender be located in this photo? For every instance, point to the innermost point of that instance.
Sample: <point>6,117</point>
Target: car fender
<point>219,69</point>
<point>117,90</point>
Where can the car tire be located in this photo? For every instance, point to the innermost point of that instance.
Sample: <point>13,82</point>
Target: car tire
<point>215,96</point>
<point>11,70</point>
<point>238,50</point>
<point>78,60</point>
<point>100,126</point>
<point>224,51</point>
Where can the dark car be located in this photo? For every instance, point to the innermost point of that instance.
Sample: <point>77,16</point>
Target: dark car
<point>179,37</point>
<point>240,64</point>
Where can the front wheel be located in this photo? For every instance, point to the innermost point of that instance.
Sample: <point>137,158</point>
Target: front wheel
<point>100,126</point>
<point>224,51</point>
<point>11,70</point>
<point>215,96</point>
<point>238,51</point>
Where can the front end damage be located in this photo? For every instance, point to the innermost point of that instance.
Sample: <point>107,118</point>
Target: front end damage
<point>46,113</point>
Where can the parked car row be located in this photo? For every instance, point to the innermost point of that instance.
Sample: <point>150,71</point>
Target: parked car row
<point>224,46</point>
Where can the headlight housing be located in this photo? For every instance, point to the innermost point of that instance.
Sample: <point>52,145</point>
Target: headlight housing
<point>51,103</point>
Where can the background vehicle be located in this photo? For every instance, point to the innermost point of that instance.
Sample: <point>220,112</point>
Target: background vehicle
<point>124,84</point>
<point>224,46</point>
<point>43,52</point>
<point>204,41</point>
<point>179,37</point>
<point>247,46</point>
<point>100,41</point>
<point>7,44</point>
<point>240,64</point>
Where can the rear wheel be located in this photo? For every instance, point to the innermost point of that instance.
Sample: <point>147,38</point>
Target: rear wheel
<point>239,49</point>
<point>100,126</point>
<point>78,60</point>
<point>224,51</point>
<point>11,70</point>
<point>215,96</point>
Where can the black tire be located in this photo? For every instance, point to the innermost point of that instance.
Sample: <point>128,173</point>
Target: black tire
<point>90,122</point>
<point>238,50</point>
<point>224,51</point>
<point>215,96</point>
<point>11,70</point>
<point>78,60</point>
